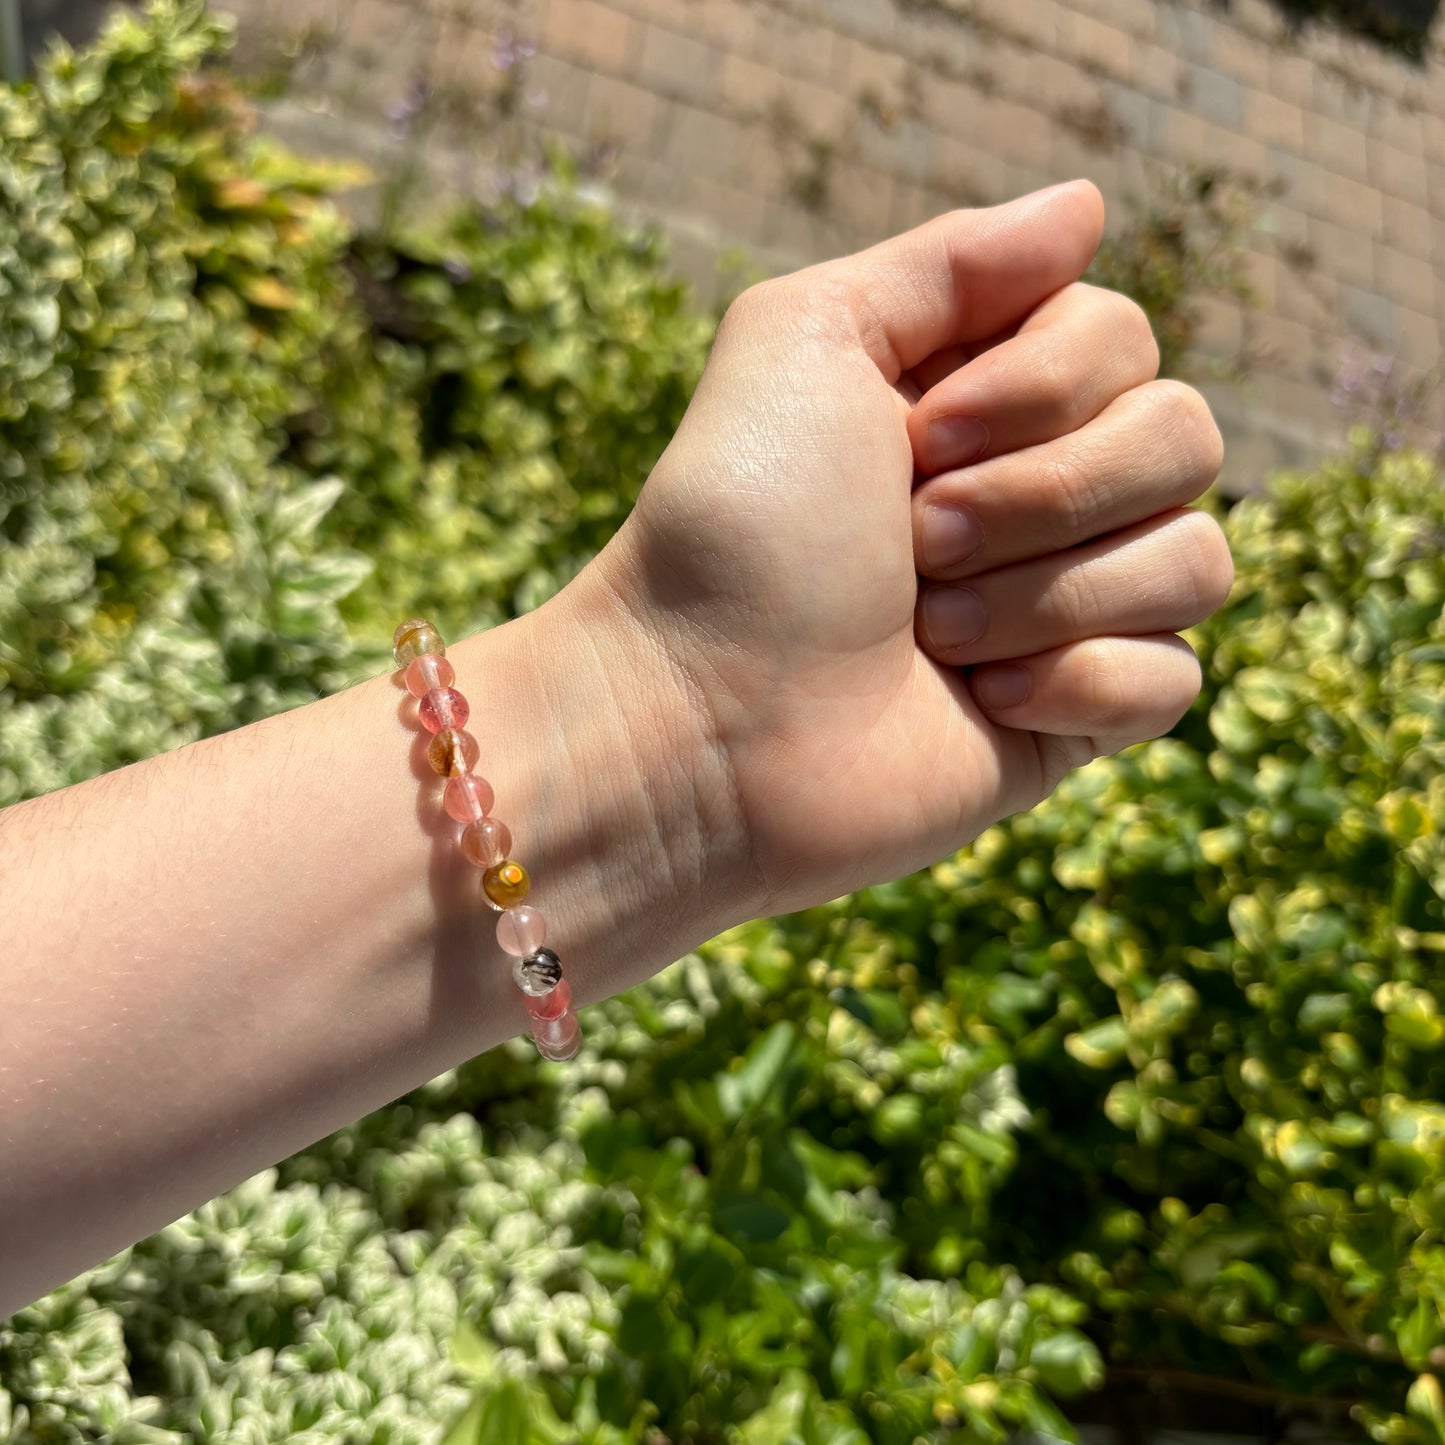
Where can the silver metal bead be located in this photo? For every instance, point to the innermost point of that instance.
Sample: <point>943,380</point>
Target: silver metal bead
<point>537,974</point>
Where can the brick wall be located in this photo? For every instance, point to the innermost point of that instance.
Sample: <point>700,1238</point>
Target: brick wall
<point>801,129</point>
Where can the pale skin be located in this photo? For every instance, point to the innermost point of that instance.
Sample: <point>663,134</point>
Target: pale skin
<point>215,957</point>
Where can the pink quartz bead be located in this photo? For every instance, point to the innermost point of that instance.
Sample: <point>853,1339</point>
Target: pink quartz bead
<point>443,707</point>
<point>520,930</point>
<point>428,671</point>
<point>551,1005</point>
<point>486,842</point>
<point>468,798</point>
<point>559,1038</point>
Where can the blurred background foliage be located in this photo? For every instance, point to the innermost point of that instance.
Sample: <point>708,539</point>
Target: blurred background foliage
<point>1144,1083</point>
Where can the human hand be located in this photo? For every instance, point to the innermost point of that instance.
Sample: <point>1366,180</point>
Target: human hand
<point>851,728</point>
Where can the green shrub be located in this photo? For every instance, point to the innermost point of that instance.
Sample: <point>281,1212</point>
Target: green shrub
<point>165,279</point>
<point>198,362</point>
<point>1144,1079</point>
<point>528,368</point>
<point>1405,27</point>
<point>1243,1110</point>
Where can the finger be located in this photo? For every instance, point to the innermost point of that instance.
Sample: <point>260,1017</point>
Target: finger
<point>1158,576</point>
<point>932,369</point>
<point>1074,354</point>
<point>964,275</point>
<point>914,384</point>
<point>1111,691</point>
<point>1154,448</point>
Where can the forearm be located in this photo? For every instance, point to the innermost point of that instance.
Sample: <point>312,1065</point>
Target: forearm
<point>215,957</point>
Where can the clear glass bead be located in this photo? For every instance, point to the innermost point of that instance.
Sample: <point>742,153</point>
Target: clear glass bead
<point>538,973</point>
<point>558,1039</point>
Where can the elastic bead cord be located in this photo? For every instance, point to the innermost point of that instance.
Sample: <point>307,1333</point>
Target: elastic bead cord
<point>485,841</point>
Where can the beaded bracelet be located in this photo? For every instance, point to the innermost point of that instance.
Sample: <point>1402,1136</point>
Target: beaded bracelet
<point>486,841</point>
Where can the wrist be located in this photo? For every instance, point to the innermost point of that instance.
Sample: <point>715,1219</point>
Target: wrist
<point>610,776</point>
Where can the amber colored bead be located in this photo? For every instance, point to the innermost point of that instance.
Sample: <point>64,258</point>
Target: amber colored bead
<point>506,884</point>
<point>452,751</point>
<point>414,638</point>
<point>410,625</point>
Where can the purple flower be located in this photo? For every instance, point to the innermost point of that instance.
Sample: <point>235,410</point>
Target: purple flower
<point>1347,377</point>
<point>509,51</point>
<point>522,185</point>
<point>404,111</point>
<point>1407,406</point>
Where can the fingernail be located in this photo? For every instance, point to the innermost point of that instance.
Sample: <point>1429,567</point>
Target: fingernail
<point>953,616</point>
<point>954,441</point>
<point>1000,687</point>
<point>951,534</point>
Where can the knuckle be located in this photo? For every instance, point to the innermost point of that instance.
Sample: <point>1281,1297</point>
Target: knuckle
<point>827,297</point>
<point>1130,323</point>
<point>808,305</point>
<point>752,299</point>
<point>1056,381</point>
<point>817,304</point>
<point>744,310</point>
<point>1123,699</point>
<point>1107,703</point>
<point>1191,677</point>
<point>1076,597</point>
<point>1072,488</point>
<point>1206,565</point>
<point>1187,419</point>
<point>1176,690</point>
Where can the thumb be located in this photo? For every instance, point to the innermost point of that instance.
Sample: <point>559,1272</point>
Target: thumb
<point>967,274</point>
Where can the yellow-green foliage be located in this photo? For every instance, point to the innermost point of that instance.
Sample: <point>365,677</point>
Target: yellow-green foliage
<point>165,286</point>
<point>1149,1076</point>
<point>529,369</point>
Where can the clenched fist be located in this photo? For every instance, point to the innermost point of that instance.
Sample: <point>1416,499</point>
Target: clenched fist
<point>919,547</point>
